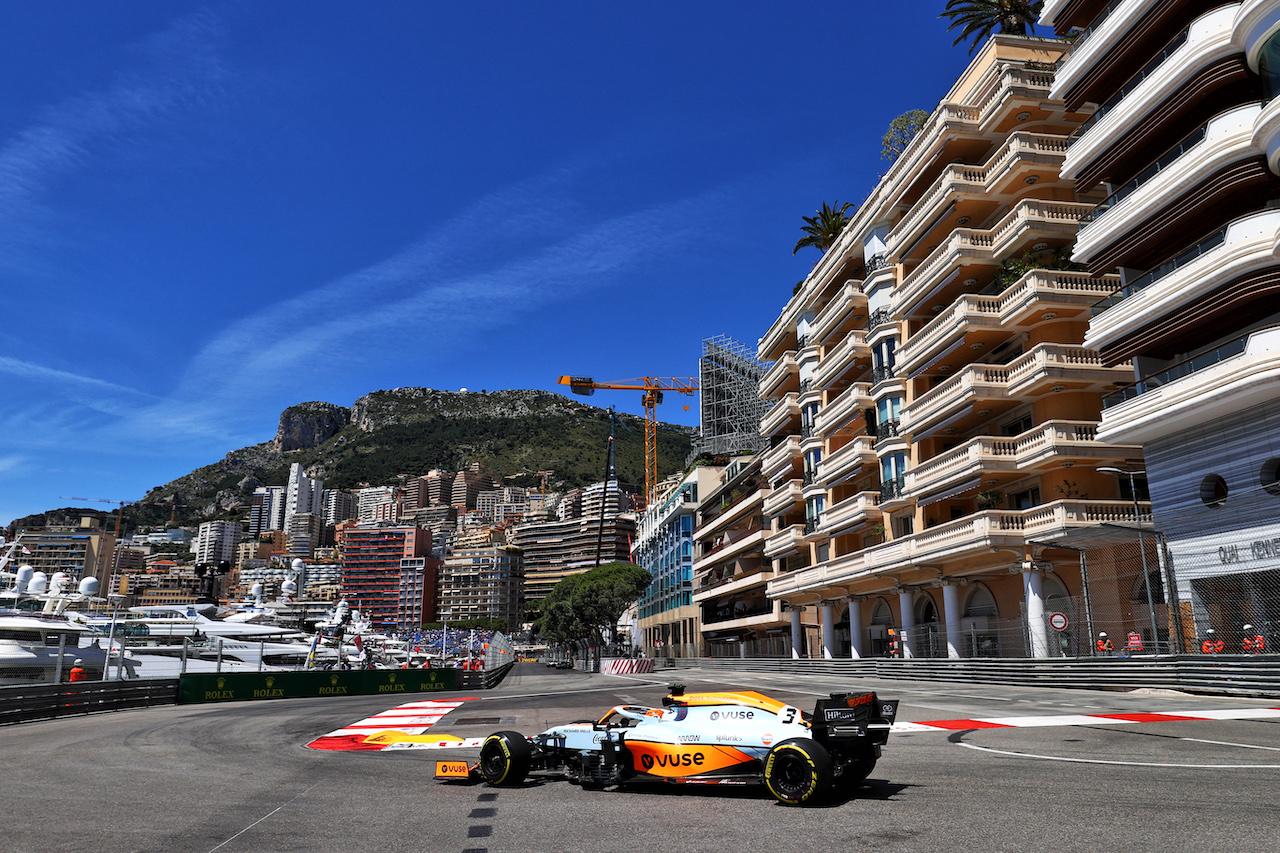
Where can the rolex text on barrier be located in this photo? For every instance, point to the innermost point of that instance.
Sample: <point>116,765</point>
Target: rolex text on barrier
<point>242,686</point>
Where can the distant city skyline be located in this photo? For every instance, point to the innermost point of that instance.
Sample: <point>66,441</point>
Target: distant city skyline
<point>211,212</point>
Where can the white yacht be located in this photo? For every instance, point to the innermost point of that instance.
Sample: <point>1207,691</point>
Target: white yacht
<point>38,643</point>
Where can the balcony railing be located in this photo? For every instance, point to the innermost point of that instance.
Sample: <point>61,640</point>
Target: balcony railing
<point>842,463</point>
<point>1164,161</point>
<point>887,429</point>
<point>845,303</point>
<point>977,180</point>
<point>1132,83</point>
<point>895,487</point>
<point>1177,371</point>
<point>990,244</point>
<point>879,317</point>
<point>881,374</point>
<point>1149,278</point>
<point>843,409</point>
<point>841,357</point>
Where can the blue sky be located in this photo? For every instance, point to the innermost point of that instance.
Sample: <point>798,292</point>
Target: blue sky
<point>211,212</point>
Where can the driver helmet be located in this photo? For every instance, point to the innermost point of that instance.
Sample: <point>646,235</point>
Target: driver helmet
<point>1102,633</point>
<point>1210,631</point>
<point>77,662</point>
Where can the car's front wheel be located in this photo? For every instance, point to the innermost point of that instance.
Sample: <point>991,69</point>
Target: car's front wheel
<point>505,758</point>
<point>798,771</point>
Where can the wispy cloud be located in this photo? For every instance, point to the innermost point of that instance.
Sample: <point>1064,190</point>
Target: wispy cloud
<point>85,389</point>
<point>180,68</point>
<point>506,255</point>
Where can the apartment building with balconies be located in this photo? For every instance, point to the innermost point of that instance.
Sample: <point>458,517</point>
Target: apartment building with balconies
<point>483,580</point>
<point>1184,144</point>
<point>732,569</point>
<point>583,537</point>
<point>935,408</point>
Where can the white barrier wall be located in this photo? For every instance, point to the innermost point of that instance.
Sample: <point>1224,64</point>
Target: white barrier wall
<point>625,666</point>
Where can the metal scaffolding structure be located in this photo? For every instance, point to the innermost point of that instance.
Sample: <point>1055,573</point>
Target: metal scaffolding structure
<point>729,375</point>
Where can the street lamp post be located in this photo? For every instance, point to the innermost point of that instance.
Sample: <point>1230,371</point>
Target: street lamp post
<point>1142,546</point>
<point>115,599</point>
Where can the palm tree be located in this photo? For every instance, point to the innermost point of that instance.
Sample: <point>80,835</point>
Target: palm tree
<point>980,18</point>
<point>823,229</point>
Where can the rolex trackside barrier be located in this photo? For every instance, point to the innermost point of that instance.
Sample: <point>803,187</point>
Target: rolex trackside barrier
<point>237,687</point>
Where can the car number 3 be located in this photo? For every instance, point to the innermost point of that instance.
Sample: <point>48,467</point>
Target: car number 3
<point>788,715</point>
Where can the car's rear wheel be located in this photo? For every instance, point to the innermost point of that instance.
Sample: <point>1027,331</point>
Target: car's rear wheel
<point>798,771</point>
<point>505,758</point>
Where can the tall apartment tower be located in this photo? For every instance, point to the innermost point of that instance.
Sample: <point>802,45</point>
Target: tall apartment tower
<point>553,550</point>
<point>84,550</point>
<point>468,484</point>
<point>483,580</point>
<point>302,494</point>
<point>267,511</point>
<point>389,572</point>
<point>216,541</point>
<point>439,487</point>
<point>339,506</point>
<point>303,535</point>
<point>1185,146</point>
<point>934,408</point>
<point>378,503</point>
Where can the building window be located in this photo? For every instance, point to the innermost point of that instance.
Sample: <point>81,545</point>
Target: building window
<point>1025,499</point>
<point>1017,427</point>
<point>1271,476</point>
<point>1269,66</point>
<point>1213,491</point>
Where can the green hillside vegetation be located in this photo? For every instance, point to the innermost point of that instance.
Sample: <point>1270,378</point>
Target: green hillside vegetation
<point>516,448</point>
<point>389,436</point>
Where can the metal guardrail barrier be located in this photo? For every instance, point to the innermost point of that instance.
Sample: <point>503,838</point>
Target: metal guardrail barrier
<point>1233,675</point>
<point>21,703</point>
<point>484,679</point>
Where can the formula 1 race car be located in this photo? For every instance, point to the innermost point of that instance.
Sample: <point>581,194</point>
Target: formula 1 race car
<point>735,738</point>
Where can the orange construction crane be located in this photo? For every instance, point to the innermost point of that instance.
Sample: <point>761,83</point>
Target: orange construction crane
<point>651,398</point>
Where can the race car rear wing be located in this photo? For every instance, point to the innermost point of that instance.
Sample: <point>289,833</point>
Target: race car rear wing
<point>853,715</point>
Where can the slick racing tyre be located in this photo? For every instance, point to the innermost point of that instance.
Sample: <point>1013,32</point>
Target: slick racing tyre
<point>798,771</point>
<point>504,758</point>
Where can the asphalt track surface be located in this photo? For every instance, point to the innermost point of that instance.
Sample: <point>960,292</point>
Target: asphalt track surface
<point>238,777</point>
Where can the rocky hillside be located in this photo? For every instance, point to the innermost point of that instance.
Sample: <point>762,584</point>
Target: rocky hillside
<point>407,432</point>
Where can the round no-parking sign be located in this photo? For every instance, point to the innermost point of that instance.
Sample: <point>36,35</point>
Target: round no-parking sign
<point>1058,621</point>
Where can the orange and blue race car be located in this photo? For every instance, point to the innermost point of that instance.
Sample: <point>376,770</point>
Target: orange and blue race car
<point>731,738</point>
